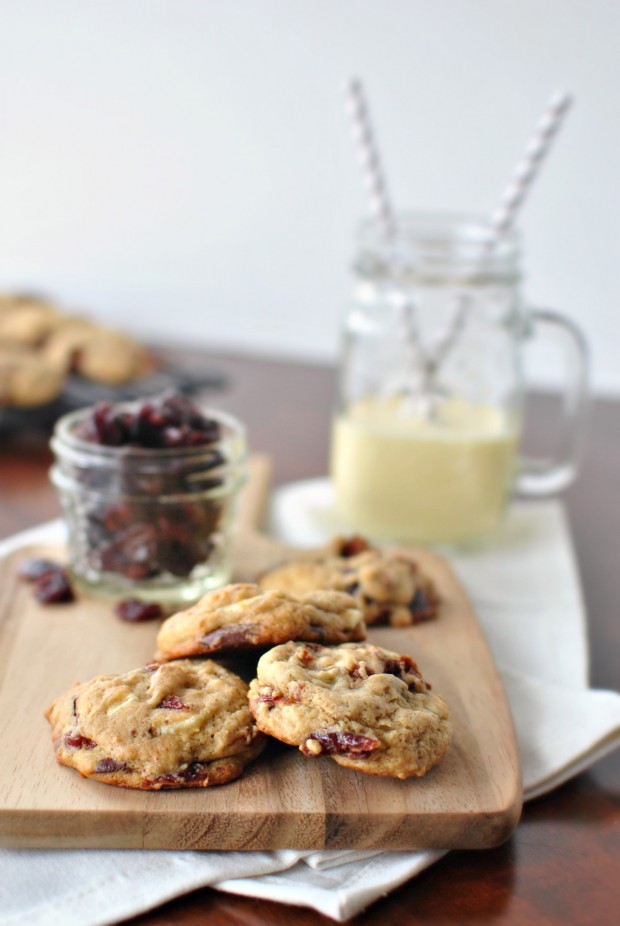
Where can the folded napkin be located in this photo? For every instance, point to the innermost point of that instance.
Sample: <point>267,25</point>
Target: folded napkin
<point>527,595</point>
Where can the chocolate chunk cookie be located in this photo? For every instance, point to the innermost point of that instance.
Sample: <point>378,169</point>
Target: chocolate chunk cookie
<point>387,585</point>
<point>244,616</point>
<point>367,708</point>
<point>185,724</point>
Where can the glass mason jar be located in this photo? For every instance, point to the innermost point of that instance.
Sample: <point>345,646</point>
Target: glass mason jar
<point>429,414</point>
<point>153,524</point>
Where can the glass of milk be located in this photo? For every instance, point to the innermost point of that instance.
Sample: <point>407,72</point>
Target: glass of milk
<point>426,432</point>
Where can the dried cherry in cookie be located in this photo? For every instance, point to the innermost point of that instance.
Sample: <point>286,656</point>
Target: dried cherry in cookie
<point>338,743</point>
<point>366,708</point>
<point>77,741</point>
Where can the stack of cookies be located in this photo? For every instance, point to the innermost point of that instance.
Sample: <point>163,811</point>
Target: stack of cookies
<point>40,345</point>
<point>316,683</point>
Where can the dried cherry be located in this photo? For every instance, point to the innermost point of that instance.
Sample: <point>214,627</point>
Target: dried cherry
<point>110,765</point>
<point>341,743</point>
<point>195,772</point>
<point>77,741</point>
<point>404,665</point>
<point>422,606</point>
<point>270,697</point>
<point>168,422</point>
<point>54,588</point>
<point>352,546</point>
<point>172,703</point>
<point>134,610</point>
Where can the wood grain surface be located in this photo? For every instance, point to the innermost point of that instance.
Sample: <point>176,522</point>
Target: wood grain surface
<point>284,800</point>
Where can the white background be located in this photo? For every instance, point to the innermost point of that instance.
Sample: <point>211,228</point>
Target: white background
<point>184,167</point>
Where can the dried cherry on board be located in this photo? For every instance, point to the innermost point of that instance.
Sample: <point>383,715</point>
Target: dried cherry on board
<point>54,588</point>
<point>134,610</point>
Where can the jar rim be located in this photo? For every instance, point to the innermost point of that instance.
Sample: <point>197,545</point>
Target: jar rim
<point>437,244</point>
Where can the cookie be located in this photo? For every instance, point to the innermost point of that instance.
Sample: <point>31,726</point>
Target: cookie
<point>367,708</point>
<point>184,724</point>
<point>41,345</point>
<point>388,586</point>
<point>63,346</point>
<point>97,353</point>
<point>26,380</point>
<point>27,322</point>
<point>112,358</point>
<point>244,616</point>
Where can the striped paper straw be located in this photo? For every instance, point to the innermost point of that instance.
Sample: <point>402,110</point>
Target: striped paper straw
<point>506,212</point>
<point>528,167</point>
<point>368,154</point>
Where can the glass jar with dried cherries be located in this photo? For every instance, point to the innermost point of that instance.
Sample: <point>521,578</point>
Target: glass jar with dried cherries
<point>148,492</point>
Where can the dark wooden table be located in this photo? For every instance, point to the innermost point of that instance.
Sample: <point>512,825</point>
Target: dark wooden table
<point>562,865</point>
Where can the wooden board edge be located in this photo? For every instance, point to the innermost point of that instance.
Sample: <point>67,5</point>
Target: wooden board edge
<point>122,830</point>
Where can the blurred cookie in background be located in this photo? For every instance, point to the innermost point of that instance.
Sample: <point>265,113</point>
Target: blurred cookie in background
<point>26,320</point>
<point>26,380</point>
<point>53,361</point>
<point>96,352</point>
<point>41,345</point>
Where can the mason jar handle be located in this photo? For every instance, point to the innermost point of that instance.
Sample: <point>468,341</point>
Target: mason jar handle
<point>539,476</point>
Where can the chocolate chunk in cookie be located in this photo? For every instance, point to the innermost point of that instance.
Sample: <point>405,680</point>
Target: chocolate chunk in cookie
<point>243,616</point>
<point>388,586</point>
<point>367,708</point>
<point>185,724</point>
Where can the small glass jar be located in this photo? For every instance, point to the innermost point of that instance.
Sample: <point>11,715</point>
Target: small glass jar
<point>153,524</point>
<point>426,432</point>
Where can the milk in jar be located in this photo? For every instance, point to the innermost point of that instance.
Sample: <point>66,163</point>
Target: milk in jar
<point>406,476</point>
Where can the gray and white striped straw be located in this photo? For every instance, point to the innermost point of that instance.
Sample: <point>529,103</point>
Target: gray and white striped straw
<point>368,154</point>
<point>503,218</point>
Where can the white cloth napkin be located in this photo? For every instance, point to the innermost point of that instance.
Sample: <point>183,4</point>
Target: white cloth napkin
<point>527,595</point>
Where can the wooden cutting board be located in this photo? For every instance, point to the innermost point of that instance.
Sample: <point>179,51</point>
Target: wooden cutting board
<point>472,800</point>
